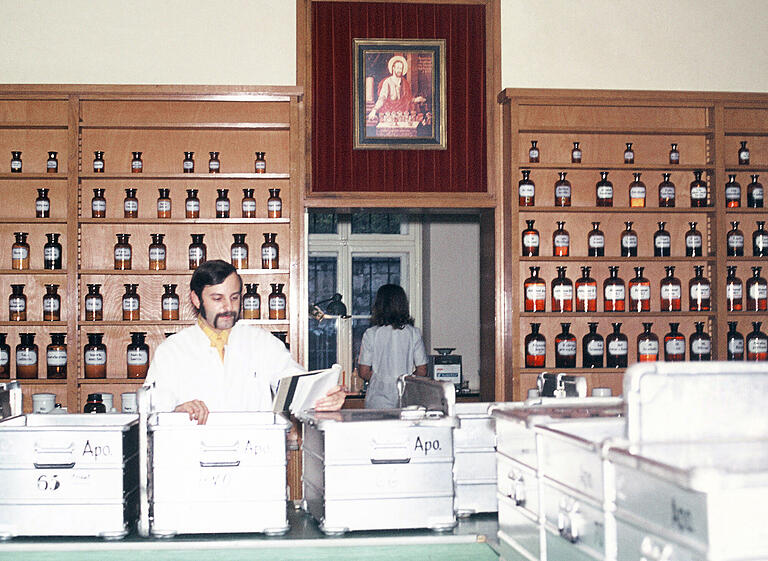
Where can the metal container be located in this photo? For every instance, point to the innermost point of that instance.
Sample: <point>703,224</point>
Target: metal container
<point>68,475</point>
<point>10,399</point>
<point>474,468</point>
<point>226,476</point>
<point>378,469</point>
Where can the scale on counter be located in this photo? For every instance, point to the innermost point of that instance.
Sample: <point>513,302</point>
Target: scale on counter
<point>444,366</point>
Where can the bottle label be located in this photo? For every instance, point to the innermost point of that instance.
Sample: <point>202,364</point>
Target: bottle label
<point>51,304</point>
<point>700,291</point>
<point>93,304</point>
<point>131,206</point>
<point>674,157</point>
<point>250,303</point>
<point>269,253</point>
<point>734,291</point>
<point>157,254</point>
<point>701,346</point>
<point>536,292</point>
<point>576,154</point>
<point>562,191</point>
<point>222,206</point>
<point>98,164</point>
<point>122,254</point>
<point>537,348</point>
<point>563,292</point>
<point>137,357</point>
<point>675,346</point>
<point>761,241</point>
<point>130,304</point>
<point>744,155</point>
<point>595,348</point>
<point>136,164</point>
<point>239,253</point>
<point>52,164</point>
<point>640,292</point>
<point>51,253</point>
<point>15,164</point>
<point>3,357</point>
<point>757,193</point>
<point>213,164</point>
<point>693,241</point>
<point>586,292</point>
<point>637,192</point>
<point>95,357</point>
<point>163,205</point>
<point>757,345</point>
<point>732,193</point>
<point>562,240</point>
<point>195,253</point>
<point>615,292</point>
<point>277,303</point>
<point>531,240</point>
<point>272,206</point>
<point>188,164</point>
<point>260,165</point>
<point>663,241</point>
<point>758,292</point>
<point>629,155</point>
<point>605,192</point>
<point>629,241</point>
<point>618,347</point>
<point>99,206</point>
<point>596,241</point>
<point>56,357</point>
<point>667,192</point>
<point>648,347</point>
<point>249,206</point>
<point>26,357</point>
<point>736,345</point>
<point>170,304</point>
<point>699,192</point>
<point>527,189</point>
<point>566,348</point>
<point>43,205</point>
<point>19,253</point>
<point>735,241</point>
<point>16,304</point>
<point>671,292</point>
<point>533,153</point>
<point>192,206</point>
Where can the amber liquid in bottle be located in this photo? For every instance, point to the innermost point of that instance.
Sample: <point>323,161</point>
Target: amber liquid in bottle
<point>617,348</point>
<point>674,344</point>
<point>276,302</point>
<point>666,192</point>
<point>164,203</point>
<point>735,240</point>
<point>42,204</point>
<point>56,357</point>
<point>757,292</point>
<point>222,203</point>
<point>137,356</point>
<point>270,252</point>
<point>5,358</point>
<point>188,165</point>
<point>137,165</point>
<point>526,189</point>
<point>694,243</point>
<point>535,348</point>
<point>130,204</point>
<point>595,241</point>
<point>662,242</point>
<point>565,348</point>
<point>51,303</point>
<point>20,252</point>
<point>562,292</point>
<point>98,161</point>
<point>214,165</point>
<point>98,204</point>
<point>17,303</point>
<point>248,204</point>
<point>614,292</point>
<point>735,342</point>
<point>647,345</point>
<point>561,241</point>
<point>197,251</point>
<point>757,343</point>
<point>586,292</point>
<point>562,191</point>
<point>251,302</point>
<point>260,163</point>
<point>699,291</point>
<point>533,152</point>
<point>629,154</point>
<point>670,291</point>
<point>169,303</point>
<point>530,240</point>
<point>123,253</point>
<point>94,304</point>
<point>239,252</point>
<point>698,191</point>
<point>192,204</point>
<point>131,303</point>
<point>604,191</point>
<point>95,357</point>
<point>639,292</point>
<point>26,357</point>
<point>274,204</point>
<point>535,290</point>
<point>52,164</point>
<point>592,348</point>
<point>732,192</point>
<point>52,252</point>
<point>637,192</point>
<point>755,193</point>
<point>700,344</point>
<point>734,291</point>
<point>157,253</point>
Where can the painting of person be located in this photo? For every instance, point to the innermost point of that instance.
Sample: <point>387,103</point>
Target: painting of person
<point>394,92</point>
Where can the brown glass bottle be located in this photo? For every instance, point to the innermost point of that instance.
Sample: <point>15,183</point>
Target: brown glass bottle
<point>197,251</point>
<point>639,292</point>
<point>131,303</point>
<point>562,191</point>
<point>222,203</point>
<point>604,191</point>
<point>592,348</point>
<point>270,252</point>
<point>735,342</point>
<point>561,241</point>
<point>732,192</point>
<point>757,292</point>
<point>5,358</point>
<point>130,204</point>
<point>248,204</point>
<point>576,154</point>
<point>276,302</point>
<point>694,243</point>
<point>637,192</point>
<point>137,356</point>
<point>535,348</point>
<point>214,165</point>
<point>565,348</point>
<point>629,154</point>
<point>735,240</point>
<point>586,292</point>
<point>629,241</point>
<point>26,357</point>
<point>251,302</point>
<point>700,344</point>
<point>98,162</point>
<point>274,204</point>
<point>137,165</point>
<point>42,204</point>
<point>123,253</point>
<point>95,357</point>
<point>614,291</point>
<point>169,303</point>
<point>192,204</point>
<point>662,241</point>
<point>52,252</point>
<point>757,343</point>
<point>562,292</point>
<point>164,203</point>
<point>596,241</point>
<point>617,348</point>
<point>674,155</point>
<point>530,240</point>
<point>94,304</point>
<point>188,164</point>
<point>743,153</point>
<point>698,191</point>
<point>526,189</point>
<point>94,404</point>
<point>674,344</point>
<point>56,357</point>
<point>760,240</point>
<point>534,155</point>
<point>260,163</point>
<point>16,162</point>
<point>535,290</point>
<point>98,204</point>
<point>17,303</point>
<point>670,291</point>
<point>647,345</point>
<point>52,164</point>
<point>157,253</point>
<point>734,291</point>
<point>666,192</point>
<point>20,252</point>
<point>699,291</point>
<point>239,252</point>
<point>755,193</point>
<point>51,303</point>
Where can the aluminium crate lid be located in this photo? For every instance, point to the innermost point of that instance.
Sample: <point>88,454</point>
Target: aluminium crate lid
<point>542,410</point>
<point>70,422</point>
<point>233,419</point>
<point>409,416</point>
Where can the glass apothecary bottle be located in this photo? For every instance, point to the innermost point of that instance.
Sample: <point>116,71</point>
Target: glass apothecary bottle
<point>586,292</point>
<point>56,357</point>
<point>98,161</point>
<point>98,204</point>
<point>576,154</point>
<point>670,291</point>
<point>757,343</point>
<point>248,204</point>
<point>251,302</point>
<point>562,292</point>
<point>526,189</point>
<point>5,357</point>
<point>760,240</point>
<point>197,251</point>
<point>637,192</point>
<point>42,204</point>
<point>270,252</point>
<point>188,164</point>
<point>699,291</point>
<point>530,240</point>
<point>169,303</point>
<point>123,252</point>
<point>604,191</point>
<point>131,303</point>
<point>52,163</point>
<point>694,243</point>
<point>26,357</point>
<point>592,348</point>
<point>214,165</point>
<point>95,356</point>
<point>535,348</point>
<point>757,292</point>
<point>639,292</point>
<point>735,240</point>
<point>565,348</point>
<point>700,344</point>
<point>95,404</point>
<point>17,303</point>
<point>617,348</point>
<point>596,241</point>
<point>662,241</point>
<point>743,153</point>
<point>51,303</point>
<point>647,344</point>
<point>732,192</point>
<point>735,342</point>
<point>629,153</point>
<point>94,303</point>
<point>260,163</point>
<point>274,204</point>
<point>239,252</point>
<point>52,255</point>
<point>164,203</point>
<point>614,291</point>
<point>192,204</point>
<point>130,204</point>
<point>562,191</point>
<point>561,241</point>
<point>157,253</point>
<point>137,356</point>
<point>734,291</point>
<point>666,192</point>
<point>674,155</point>
<point>222,203</point>
<point>20,252</point>
<point>535,291</point>
<point>277,302</point>
<point>699,191</point>
<point>674,344</point>
<point>755,193</point>
<point>137,165</point>
<point>533,152</point>
<point>16,163</point>
<point>629,241</point>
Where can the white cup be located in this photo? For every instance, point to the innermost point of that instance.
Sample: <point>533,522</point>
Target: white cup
<point>601,392</point>
<point>43,402</point>
<point>107,399</point>
<point>128,401</point>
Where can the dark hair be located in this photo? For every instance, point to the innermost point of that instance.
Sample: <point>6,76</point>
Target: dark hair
<point>391,307</point>
<point>211,273</point>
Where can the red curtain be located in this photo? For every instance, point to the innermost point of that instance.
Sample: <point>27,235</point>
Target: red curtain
<point>336,167</point>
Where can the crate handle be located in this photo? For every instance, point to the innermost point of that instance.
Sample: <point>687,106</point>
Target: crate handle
<point>219,464</point>
<point>395,461</point>
<point>218,447</point>
<point>54,466</point>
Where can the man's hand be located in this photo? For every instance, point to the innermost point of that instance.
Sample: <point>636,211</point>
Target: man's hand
<point>197,410</point>
<point>332,401</point>
<point>372,115</point>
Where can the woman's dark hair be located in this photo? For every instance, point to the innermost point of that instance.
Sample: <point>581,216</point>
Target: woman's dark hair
<point>391,307</point>
<point>211,273</point>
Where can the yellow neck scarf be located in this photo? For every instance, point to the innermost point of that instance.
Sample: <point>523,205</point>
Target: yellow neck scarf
<point>218,339</point>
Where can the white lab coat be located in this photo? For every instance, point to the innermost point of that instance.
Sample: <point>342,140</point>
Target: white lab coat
<point>186,367</point>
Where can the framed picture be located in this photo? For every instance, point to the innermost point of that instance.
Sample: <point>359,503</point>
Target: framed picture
<point>399,94</point>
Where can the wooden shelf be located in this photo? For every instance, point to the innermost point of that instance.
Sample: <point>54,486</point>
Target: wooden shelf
<point>187,176</point>
<point>747,169</point>
<point>35,176</point>
<point>617,315</point>
<point>567,129</point>
<point>616,209</point>
<point>24,324</point>
<point>743,210</point>
<point>32,126</point>
<point>46,272</point>
<point>38,381</point>
<point>616,167</point>
<point>120,381</point>
<point>746,258</point>
<point>33,221</point>
<point>578,371</point>
<point>185,221</point>
<point>610,259</point>
<point>188,126</point>
<point>184,273</point>
<point>175,323</point>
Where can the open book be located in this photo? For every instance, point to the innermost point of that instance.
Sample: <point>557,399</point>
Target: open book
<point>300,392</point>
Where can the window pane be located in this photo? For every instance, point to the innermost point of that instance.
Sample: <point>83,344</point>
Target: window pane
<point>322,343</point>
<point>322,276</point>
<point>359,325</point>
<point>368,274</point>
<point>376,223</point>
<point>323,223</point>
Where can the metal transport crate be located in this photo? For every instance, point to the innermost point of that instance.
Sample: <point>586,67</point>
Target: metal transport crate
<point>378,469</point>
<point>10,399</point>
<point>68,475</point>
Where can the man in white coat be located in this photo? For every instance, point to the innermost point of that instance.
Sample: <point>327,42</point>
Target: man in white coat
<point>219,364</point>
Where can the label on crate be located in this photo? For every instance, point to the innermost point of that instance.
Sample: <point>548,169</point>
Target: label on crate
<point>566,348</point>
<point>93,304</point>
<point>157,254</point>
<point>596,241</point>
<point>640,292</point>
<point>249,206</point>
<point>701,346</point>
<point>595,348</point>
<point>586,292</point>
<point>758,291</point>
<point>675,346</point>
<point>663,241</point>
<point>531,240</point>
<point>51,253</point>
<point>536,292</point>
<point>629,241</point>
<point>56,357</point>
<point>131,206</point>
<point>700,291</point>
<point>618,347</point>
<point>562,292</point>
<point>693,241</point>
<point>43,206</point>
<point>667,192</point>
<point>736,345</point>
<point>95,357</point>
<point>137,357</point>
<point>51,304</point>
<point>735,241</point>
<point>268,253</point>
<point>671,292</point>
<point>699,192</point>
<point>537,348</point>
<point>170,304</point>
<point>526,190</point>
<point>615,292</point>
<point>605,192</point>
<point>734,291</point>
<point>648,347</point>
<point>26,357</point>
<point>19,253</point>
<point>756,345</point>
<point>130,304</point>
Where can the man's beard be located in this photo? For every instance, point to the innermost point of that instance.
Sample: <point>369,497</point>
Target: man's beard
<point>214,323</point>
